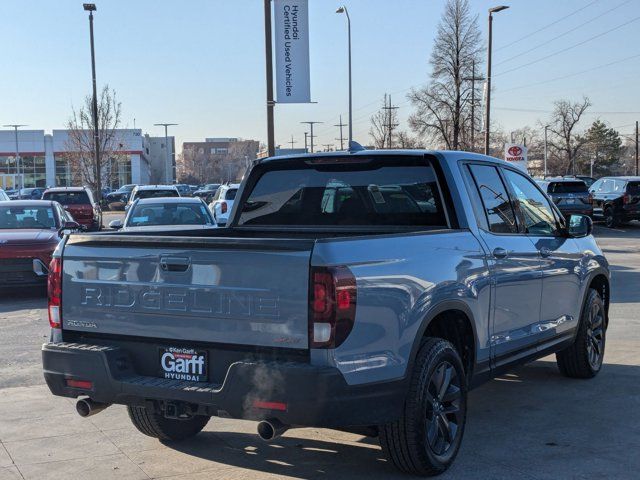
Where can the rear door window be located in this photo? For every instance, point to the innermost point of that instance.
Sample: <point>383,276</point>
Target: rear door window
<point>633,188</point>
<point>231,194</point>
<point>495,199</point>
<point>382,191</point>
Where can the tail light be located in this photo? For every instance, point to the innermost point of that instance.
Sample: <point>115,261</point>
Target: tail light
<point>54,289</point>
<point>588,200</point>
<point>625,198</point>
<point>223,207</point>
<point>332,306</point>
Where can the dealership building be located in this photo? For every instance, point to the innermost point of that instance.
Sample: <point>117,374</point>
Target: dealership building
<point>45,158</point>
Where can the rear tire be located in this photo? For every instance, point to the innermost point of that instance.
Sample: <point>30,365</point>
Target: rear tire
<point>427,437</point>
<point>158,426</point>
<point>610,218</point>
<point>584,358</point>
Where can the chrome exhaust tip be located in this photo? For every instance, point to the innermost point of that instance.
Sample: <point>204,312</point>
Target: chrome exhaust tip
<point>87,407</point>
<point>271,429</point>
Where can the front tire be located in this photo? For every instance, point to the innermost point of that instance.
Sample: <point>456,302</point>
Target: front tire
<point>584,358</point>
<point>168,429</point>
<point>427,437</point>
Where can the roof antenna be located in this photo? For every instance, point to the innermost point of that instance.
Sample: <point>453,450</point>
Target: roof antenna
<point>355,147</point>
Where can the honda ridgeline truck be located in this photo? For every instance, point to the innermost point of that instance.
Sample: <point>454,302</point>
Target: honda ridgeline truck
<point>364,291</point>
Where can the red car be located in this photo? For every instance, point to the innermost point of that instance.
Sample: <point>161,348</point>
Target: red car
<point>29,233</point>
<point>79,202</point>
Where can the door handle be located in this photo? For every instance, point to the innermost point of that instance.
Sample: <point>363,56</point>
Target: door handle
<point>175,264</point>
<point>500,252</point>
<point>544,252</point>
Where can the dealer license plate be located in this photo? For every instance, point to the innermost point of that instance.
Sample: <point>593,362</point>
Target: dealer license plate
<point>180,363</point>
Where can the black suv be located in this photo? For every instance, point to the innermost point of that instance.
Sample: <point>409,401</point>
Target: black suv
<point>616,200</point>
<point>570,194</point>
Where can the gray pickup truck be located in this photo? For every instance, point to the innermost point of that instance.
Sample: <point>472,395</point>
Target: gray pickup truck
<point>365,291</point>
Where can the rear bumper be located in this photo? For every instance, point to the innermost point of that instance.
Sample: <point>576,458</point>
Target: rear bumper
<point>314,396</point>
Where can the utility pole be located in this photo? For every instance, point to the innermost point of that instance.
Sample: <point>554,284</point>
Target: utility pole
<point>306,141</point>
<point>636,148</point>
<point>546,150</point>
<point>168,162</point>
<point>389,125</point>
<point>90,7</point>
<point>341,136</point>
<point>473,79</point>
<point>271,149</point>
<point>311,136</point>
<point>292,142</point>
<point>15,127</point>
<point>327,146</point>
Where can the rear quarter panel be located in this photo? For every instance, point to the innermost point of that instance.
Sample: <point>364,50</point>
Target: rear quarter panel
<point>400,280</point>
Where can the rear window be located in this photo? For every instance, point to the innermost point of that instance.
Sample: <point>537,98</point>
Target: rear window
<point>568,187</point>
<point>68,198</point>
<point>389,191</point>
<point>633,188</point>
<point>231,194</point>
<point>156,193</point>
<point>169,214</point>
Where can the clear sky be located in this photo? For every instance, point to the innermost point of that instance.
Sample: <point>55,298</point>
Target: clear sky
<point>201,63</point>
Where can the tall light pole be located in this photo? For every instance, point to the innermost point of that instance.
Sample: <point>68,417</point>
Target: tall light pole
<point>487,125</point>
<point>546,150</point>
<point>15,127</point>
<point>168,163</point>
<point>91,7</point>
<point>311,135</point>
<point>344,10</point>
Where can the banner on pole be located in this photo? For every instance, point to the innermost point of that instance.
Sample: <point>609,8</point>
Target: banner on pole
<point>291,30</point>
<point>516,154</point>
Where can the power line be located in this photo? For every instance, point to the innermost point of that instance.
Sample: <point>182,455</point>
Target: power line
<point>340,124</point>
<point>571,74</point>
<point>534,110</point>
<point>546,26</point>
<point>562,34</point>
<point>568,48</point>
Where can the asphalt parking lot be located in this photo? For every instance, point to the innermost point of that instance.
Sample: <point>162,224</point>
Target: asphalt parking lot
<point>531,424</point>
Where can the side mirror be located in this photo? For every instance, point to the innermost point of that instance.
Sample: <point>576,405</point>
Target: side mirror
<point>580,226</point>
<point>68,228</point>
<point>115,224</point>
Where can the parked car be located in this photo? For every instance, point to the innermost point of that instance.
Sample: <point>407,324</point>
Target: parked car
<point>363,291</point>
<point>27,194</point>
<point>29,233</point>
<point>184,189</point>
<point>207,192</point>
<point>3,196</point>
<point>152,191</point>
<point>79,202</point>
<point>169,213</point>
<point>570,194</point>
<point>616,200</point>
<point>222,202</point>
<point>118,199</point>
<point>586,179</point>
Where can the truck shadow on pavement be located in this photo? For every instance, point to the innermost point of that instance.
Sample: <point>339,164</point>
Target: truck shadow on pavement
<point>533,417</point>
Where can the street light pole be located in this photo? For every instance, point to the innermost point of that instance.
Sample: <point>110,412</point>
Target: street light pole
<point>15,127</point>
<point>487,125</point>
<point>168,163</point>
<point>344,10</point>
<point>90,7</point>
<point>271,149</point>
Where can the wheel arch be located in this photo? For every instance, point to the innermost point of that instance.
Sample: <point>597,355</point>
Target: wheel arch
<point>600,282</point>
<point>454,321</point>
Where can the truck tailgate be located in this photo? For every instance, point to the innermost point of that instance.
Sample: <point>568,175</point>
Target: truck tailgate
<point>219,290</point>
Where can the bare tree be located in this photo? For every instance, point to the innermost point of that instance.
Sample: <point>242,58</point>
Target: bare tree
<point>443,106</point>
<point>80,145</point>
<point>404,140</point>
<point>565,142</point>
